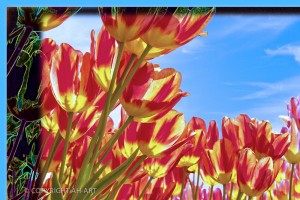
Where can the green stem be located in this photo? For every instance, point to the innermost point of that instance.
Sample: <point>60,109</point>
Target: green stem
<point>97,139</point>
<point>136,165</point>
<point>231,190</point>
<point>198,180</point>
<point>224,191</point>
<point>67,140</point>
<point>107,109</point>
<point>239,196</point>
<point>183,183</point>
<point>110,143</point>
<point>291,182</point>
<point>55,144</point>
<point>211,192</point>
<point>131,74</point>
<point>124,75</point>
<point>192,187</point>
<point>249,197</point>
<point>145,188</point>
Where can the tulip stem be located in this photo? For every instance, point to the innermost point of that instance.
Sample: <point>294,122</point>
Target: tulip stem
<point>13,58</point>
<point>183,183</point>
<point>55,144</point>
<point>136,165</point>
<point>110,143</point>
<point>239,196</point>
<point>291,182</point>
<point>211,192</point>
<point>231,190</point>
<point>95,144</point>
<point>145,188</point>
<point>192,186</point>
<point>198,179</point>
<point>16,142</point>
<point>249,197</point>
<point>67,140</point>
<point>224,191</point>
<point>107,108</point>
<point>131,74</point>
<point>128,67</point>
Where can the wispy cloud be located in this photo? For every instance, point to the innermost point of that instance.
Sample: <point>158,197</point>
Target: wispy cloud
<point>286,86</point>
<point>252,24</point>
<point>194,46</point>
<point>293,50</point>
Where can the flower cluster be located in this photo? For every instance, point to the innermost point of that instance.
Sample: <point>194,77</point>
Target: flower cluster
<point>152,153</point>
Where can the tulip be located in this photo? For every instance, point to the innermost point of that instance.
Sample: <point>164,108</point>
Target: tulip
<point>209,137</point>
<point>175,28</point>
<point>192,156</point>
<point>128,141</point>
<point>256,176</point>
<point>50,121</point>
<point>160,167</point>
<point>45,153</point>
<point>219,162</point>
<point>82,123</point>
<point>161,192</point>
<point>137,47</point>
<point>102,55</point>
<point>77,91</point>
<point>159,138</point>
<point>267,143</point>
<point>152,93</point>
<point>294,110</point>
<point>126,24</point>
<point>238,131</point>
<point>176,176</point>
<point>44,18</point>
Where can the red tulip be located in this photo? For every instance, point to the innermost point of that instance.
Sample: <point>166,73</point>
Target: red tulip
<point>173,29</point>
<point>126,24</point>
<point>152,93</point>
<point>193,155</point>
<point>219,162</point>
<point>72,82</point>
<point>159,138</point>
<point>256,176</point>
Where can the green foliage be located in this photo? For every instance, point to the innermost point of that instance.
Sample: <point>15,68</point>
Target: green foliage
<point>32,131</point>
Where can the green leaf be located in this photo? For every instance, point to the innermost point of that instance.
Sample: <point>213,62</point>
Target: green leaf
<point>23,58</point>
<point>56,186</point>
<point>113,175</point>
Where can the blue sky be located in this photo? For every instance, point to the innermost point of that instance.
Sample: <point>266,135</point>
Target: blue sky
<point>247,64</point>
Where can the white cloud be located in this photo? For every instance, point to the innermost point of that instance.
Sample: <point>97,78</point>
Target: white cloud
<point>293,50</point>
<point>193,46</point>
<point>286,86</point>
<point>252,24</point>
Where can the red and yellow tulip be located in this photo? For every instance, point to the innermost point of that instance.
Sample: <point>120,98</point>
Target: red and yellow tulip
<point>159,138</point>
<point>44,18</point>
<point>152,93</point>
<point>192,156</point>
<point>255,175</point>
<point>102,55</point>
<point>126,24</point>
<point>177,27</point>
<point>76,91</point>
<point>137,47</point>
